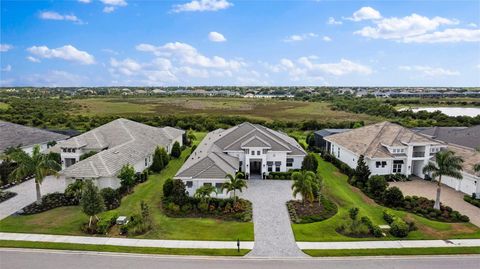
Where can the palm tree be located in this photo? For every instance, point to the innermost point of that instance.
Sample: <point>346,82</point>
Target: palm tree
<point>446,164</point>
<point>235,183</point>
<point>38,165</point>
<point>205,192</point>
<point>305,183</point>
<point>476,168</point>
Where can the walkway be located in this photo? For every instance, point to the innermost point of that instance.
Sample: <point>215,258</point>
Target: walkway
<point>273,232</point>
<point>449,196</point>
<point>26,194</point>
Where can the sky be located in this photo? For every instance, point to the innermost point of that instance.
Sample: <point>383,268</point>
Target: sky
<point>245,43</point>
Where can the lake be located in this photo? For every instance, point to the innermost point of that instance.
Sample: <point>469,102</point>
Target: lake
<point>452,111</point>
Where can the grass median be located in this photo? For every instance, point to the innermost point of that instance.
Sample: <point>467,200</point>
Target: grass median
<point>392,251</point>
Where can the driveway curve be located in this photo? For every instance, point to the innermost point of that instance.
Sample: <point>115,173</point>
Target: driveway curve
<point>273,232</point>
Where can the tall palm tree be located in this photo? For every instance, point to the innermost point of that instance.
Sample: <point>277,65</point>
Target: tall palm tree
<point>446,164</point>
<point>305,183</point>
<point>38,165</point>
<point>205,192</point>
<point>234,183</point>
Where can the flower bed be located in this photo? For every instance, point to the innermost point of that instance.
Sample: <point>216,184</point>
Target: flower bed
<point>49,201</point>
<point>424,207</point>
<point>314,212</point>
<point>5,195</point>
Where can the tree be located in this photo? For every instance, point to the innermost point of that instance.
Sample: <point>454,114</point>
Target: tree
<point>127,176</point>
<point>305,183</point>
<point>310,140</point>
<point>205,192</point>
<point>165,157</point>
<point>190,137</point>
<point>476,168</point>
<point>310,163</point>
<point>38,165</point>
<point>393,197</point>
<point>376,186</point>
<point>362,172</point>
<point>91,201</point>
<point>234,183</point>
<point>87,154</point>
<point>158,162</point>
<point>176,150</point>
<point>179,193</point>
<point>446,164</point>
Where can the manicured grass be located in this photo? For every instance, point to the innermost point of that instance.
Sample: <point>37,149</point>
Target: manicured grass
<point>124,249</point>
<point>346,197</point>
<point>68,220</point>
<point>218,106</point>
<point>4,106</point>
<point>391,251</point>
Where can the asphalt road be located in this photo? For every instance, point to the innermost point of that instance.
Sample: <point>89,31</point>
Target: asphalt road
<point>25,258</point>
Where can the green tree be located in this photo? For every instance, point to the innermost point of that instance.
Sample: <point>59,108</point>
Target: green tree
<point>310,163</point>
<point>305,183</point>
<point>91,201</point>
<point>176,150</point>
<point>311,140</point>
<point>190,137</point>
<point>235,183</point>
<point>158,162</point>
<point>87,154</point>
<point>362,172</point>
<point>205,192</point>
<point>446,164</point>
<point>476,168</point>
<point>127,176</point>
<point>165,157</point>
<point>376,186</point>
<point>38,165</point>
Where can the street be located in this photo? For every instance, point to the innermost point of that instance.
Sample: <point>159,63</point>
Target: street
<point>31,258</point>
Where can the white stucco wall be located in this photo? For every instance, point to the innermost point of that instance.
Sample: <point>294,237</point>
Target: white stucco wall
<point>197,183</point>
<point>468,184</point>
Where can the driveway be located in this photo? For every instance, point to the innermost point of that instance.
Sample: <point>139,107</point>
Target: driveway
<point>449,196</point>
<point>273,233</point>
<point>26,194</point>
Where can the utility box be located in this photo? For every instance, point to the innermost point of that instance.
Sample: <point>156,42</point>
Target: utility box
<point>122,220</point>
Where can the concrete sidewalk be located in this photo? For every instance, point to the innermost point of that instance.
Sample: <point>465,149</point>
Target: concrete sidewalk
<point>391,244</point>
<point>124,241</point>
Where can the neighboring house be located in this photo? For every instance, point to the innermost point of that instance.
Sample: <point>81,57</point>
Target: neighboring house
<point>463,136</point>
<point>320,135</point>
<point>249,148</point>
<point>16,135</point>
<point>388,148</point>
<point>118,143</point>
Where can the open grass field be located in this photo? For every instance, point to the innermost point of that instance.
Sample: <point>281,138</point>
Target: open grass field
<point>346,197</point>
<point>392,251</point>
<point>4,106</point>
<point>68,220</point>
<point>253,108</point>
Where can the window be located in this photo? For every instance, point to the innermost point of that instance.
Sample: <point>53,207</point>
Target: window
<point>289,162</point>
<point>189,184</point>
<point>73,150</point>
<point>265,151</point>
<point>219,186</point>
<point>277,166</point>
<point>270,164</point>
<point>146,161</point>
<point>379,164</point>
<point>258,152</point>
<point>338,152</point>
<point>397,166</point>
<point>241,165</point>
<point>253,152</point>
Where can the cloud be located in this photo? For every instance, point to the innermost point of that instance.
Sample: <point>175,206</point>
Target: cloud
<point>112,5</point>
<point>365,13</point>
<point>341,68</point>
<point>67,52</point>
<point>5,47</point>
<point>56,78</point>
<point>326,38</point>
<point>108,9</point>
<point>429,71</point>
<point>332,21</point>
<point>300,37</point>
<point>33,59</point>
<point>216,37</point>
<point>446,36</point>
<point>52,15</point>
<point>85,1</point>
<point>7,68</point>
<point>202,5</point>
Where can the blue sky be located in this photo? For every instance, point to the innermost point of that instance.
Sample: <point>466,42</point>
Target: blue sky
<point>223,42</point>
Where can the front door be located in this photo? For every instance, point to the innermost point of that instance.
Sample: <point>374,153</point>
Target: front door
<point>255,168</point>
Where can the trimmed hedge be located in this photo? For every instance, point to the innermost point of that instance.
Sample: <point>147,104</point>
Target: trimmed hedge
<point>49,201</point>
<point>281,175</point>
<point>472,200</point>
<point>5,195</point>
<point>343,167</point>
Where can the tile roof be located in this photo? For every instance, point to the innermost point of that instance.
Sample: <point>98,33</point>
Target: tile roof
<point>13,135</point>
<point>119,142</point>
<point>470,157</point>
<point>371,140</point>
<point>463,136</point>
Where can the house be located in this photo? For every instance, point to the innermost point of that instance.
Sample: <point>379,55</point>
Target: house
<point>463,136</point>
<point>249,148</point>
<point>117,143</point>
<point>16,135</point>
<point>388,148</point>
<point>320,135</point>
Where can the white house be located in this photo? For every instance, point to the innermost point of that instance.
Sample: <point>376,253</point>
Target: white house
<point>25,137</point>
<point>388,148</point>
<point>116,144</point>
<point>249,148</point>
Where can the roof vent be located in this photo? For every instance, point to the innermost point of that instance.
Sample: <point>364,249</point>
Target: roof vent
<point>115,152</point>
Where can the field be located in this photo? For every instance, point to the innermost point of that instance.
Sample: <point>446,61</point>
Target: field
<point>253,108</point>
<point>3,106</point>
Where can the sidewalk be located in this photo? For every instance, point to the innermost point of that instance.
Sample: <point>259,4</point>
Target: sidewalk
<point>391,244</point>
<point>124,241</point>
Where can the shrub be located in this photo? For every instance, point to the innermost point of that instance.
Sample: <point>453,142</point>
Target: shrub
<point>5,195</point>
<point>376,186</point>
<point>388,217</point>
<point>176,150</point>
<point>472,200</point>
<point>178,193</point>
<point>393,197</point>
<point>127,177</point>
<point>310,163</point>
<point>49,201</point>
<point>73,191</point>
<point>167,188</point>
<point>111,198</point>
<point>399,228</point>
<point>362,172</point>
<point>87,154</point>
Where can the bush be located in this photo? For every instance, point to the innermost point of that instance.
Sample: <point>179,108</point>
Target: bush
<point>281,175</point>
<point>343,167</point>
<point>472,200</point>
<point>376,186</point>
<point>5,195</point>
<point>374,229</point>
<point>167,188</point>
<point>178,193</point>
<point>399,228</point>
<point>310,163</point>
<point>388,217</point>
<point>393,197</point>
<point>74,191</point>
<point>111,198</point>
<point>49,201</point>
<point>176,150</point>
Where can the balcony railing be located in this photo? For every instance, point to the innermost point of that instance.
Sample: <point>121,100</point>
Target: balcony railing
<point>419,154</point>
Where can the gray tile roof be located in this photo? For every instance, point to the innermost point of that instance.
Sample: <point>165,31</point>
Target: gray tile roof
<point>13,135</point>
<point>463,136</point>
<point>124,142</point>
<point>327,132</point>
<point>209,160</point>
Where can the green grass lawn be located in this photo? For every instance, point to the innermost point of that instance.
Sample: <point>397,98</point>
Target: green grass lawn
<point>391,251</point>
<point>124,249</point>
<point>346,197</point>
<point>68,220</point>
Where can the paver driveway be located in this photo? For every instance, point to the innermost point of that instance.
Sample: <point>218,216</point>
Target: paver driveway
<point>273,233</point>
<point>449,196</point>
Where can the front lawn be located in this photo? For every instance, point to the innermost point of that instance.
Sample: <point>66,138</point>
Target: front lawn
<point>68,220</point>
<point>347,196</point>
